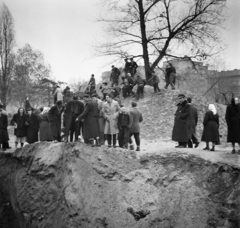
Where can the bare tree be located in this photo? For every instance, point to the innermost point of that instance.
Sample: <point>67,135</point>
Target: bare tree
<point>161,28</point>
<point>6,52</point>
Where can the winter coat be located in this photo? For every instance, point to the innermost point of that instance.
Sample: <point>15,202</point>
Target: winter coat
<point>32,128</point>
<point>21,129</point>
<point>90,116</point>
<point>110,111</point>
<point>211,126</point>
<point>137,118</point>
<point>3,128</point>
<point>192,121</point>
<point>54,115</point>
<point>124,120</point>
<point>233,122</point>
<point>45,131</point>
<point>73,109</point>
<point>180,128</point>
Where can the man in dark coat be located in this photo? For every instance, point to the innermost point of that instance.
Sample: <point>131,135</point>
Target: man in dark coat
<point>180,128</point>
<point>135,127</point>
<point>32,123</point>
<point>140,89</point>
<point>73,109</point>
<point>54,115</point>
<point>133,67</point>
<point>3,129</point>
<point>233,122</point>
<point>170,76</point>
<point>91,128</point>
<point>114,75</point>
<point>124,123</point>
<point>91,86</point>
<point>155,80</point>
<point>20,129</point>
<point>192,124</point>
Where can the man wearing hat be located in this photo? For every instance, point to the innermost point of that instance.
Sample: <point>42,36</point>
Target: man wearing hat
<point>55,117</point>
<point>133,67</point>
<point>180,128</point>
<point>32,123</point>
<point>73,109</point>
<point>91,130</point>
<point>114,75</point>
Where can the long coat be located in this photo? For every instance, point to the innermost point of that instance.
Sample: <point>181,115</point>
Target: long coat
<point>90,114</point>
<point>137,118</point>
<point>233,122</point>
<point>3,128</point>
<point>21,129</point>
<point>180,128</point>
<point>54,115</point>
<point>45,131</point>
<point>192,121</point>
<point>111,111</point>
<point>73,109</point>
<point>211,126</point>
<point>32,128</point>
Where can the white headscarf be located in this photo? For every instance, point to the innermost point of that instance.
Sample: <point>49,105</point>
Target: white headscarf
<point>45,110</point>
<point>212,108</point>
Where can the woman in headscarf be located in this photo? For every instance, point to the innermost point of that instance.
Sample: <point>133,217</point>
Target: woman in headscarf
<point>211,127</point>
<point>233,122</point>
<point>45,132</point>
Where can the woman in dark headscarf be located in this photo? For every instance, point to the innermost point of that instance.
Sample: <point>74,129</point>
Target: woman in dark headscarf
<point>233,122</point>
<point>211,126</point>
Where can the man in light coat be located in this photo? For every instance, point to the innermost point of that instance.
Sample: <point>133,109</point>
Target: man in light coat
<point>135,128</point>
<point>110,111</point>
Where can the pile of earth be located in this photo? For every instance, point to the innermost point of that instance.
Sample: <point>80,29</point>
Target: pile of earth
<point>158,113</point>
<point>74,185</point>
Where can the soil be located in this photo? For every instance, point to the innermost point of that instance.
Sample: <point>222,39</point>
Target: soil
<point>74,185</point>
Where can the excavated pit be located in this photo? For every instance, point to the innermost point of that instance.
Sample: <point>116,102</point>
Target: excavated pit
<point>73,185</point>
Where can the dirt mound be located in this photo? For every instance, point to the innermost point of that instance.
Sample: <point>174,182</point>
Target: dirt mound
<point>158,113</point>
<point>73,185</point>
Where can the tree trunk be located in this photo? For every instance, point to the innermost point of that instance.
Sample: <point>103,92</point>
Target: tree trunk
<point>144,41</point>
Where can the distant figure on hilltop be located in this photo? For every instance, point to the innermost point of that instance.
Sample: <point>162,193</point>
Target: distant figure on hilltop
<point>91,86</point>
<point>133,67</point>
<point>155,80</point>
<point>170,76</point>
<point>114,75</point>
<point>127,67</point>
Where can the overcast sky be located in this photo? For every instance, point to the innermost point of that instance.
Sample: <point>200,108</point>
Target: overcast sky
<point>64,30</point>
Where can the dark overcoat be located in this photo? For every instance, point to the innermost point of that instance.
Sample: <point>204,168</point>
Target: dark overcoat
<point>32,128</point>
<point>137,118</point>
<point>180,128</point>
<point>21,129</point>
<point>192,121</point>
<point>233,122</point>
<point>54,115</point>
<point>45,131</point>
<point>90,124</point>
<point>211,126</point>
<point>3,128</point>
<point>73,109</point>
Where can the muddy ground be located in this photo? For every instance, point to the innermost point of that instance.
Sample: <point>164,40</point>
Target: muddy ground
<point>73,185</point>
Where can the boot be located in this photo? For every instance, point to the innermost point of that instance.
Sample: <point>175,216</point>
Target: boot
<point>131,147</point>
<point>213,148</point>
<point>91,142</point>
<point>98,142</point>
<point>138,148</point>
<point>206,148</point>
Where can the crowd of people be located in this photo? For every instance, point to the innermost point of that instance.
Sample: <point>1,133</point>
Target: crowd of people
<point>186,120</point>
<point>91,119</point>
